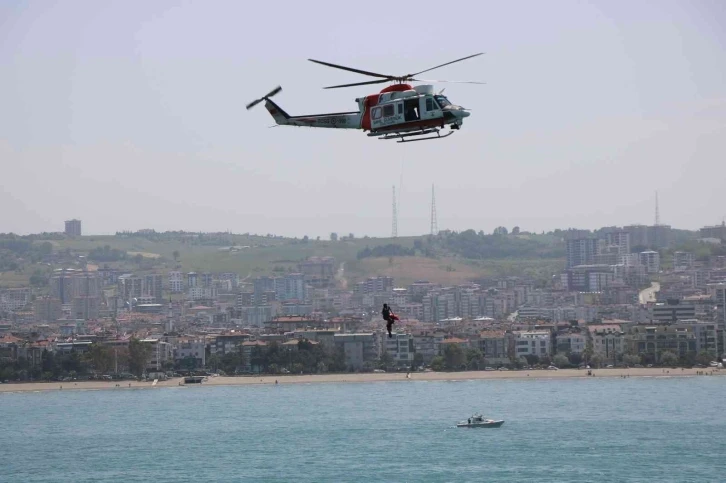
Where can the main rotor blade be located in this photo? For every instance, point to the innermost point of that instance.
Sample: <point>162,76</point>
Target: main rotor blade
<point>359,84</point>
<point>335,66</point>
<point>449,81</point>
<point>453,61</point>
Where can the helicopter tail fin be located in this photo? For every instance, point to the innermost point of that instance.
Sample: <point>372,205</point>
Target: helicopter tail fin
<point>277,113</point>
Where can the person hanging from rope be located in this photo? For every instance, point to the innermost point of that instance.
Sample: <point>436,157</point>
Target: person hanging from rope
<point>389,317</point>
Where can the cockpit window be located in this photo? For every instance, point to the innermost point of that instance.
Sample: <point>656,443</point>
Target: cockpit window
<point>442,100</point>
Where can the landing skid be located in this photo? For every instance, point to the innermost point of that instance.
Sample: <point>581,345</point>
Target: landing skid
<point>402,136</point>
<point>438,136</point>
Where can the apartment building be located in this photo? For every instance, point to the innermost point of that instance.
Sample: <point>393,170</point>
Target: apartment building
<point>536,343</point>
<point>401,348</point>
<point>176,282</point>
<point>358,348</point>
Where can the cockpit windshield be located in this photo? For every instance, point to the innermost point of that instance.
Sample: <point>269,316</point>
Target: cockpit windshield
<point>442,100</point>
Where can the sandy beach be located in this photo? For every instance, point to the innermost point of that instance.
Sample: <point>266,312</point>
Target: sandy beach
<point>359,378</point>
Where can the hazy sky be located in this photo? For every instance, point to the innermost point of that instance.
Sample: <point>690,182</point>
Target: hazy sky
<point>132,115</point>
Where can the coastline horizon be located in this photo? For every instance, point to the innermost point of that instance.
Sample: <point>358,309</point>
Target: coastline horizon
<point>540,374</point>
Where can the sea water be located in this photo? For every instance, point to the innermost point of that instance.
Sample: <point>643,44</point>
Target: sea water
<point>635,429</point>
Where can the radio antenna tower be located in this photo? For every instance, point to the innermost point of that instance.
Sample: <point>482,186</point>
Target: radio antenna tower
<point>434,224</point>
<point>394,230</point>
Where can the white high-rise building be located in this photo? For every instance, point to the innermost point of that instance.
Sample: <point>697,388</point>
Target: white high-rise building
<point>718,291</point>
<point>176,282</point>
<point>400,347</point>
<point>582,251</point>
<point>536,343</point>
<point>620,239</point>
<point>630,259</point>
<point>295,286</point>
<point>650,260</point>
<point>683,260</point>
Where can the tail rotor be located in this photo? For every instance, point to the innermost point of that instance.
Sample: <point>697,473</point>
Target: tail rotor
<point>274,91</point>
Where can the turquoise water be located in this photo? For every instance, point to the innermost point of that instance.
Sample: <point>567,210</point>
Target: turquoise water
<point>636,429</point>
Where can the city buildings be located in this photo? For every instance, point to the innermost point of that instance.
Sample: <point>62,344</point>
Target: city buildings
<point>620,240</point>
<point>683,261</point>
<point>14,298</point>
<point>672,311</point>
<point>495,346</point>
<point>582,251</point>
<point>535,343</point>
<point>190,352</point>
<point>73,228</point>
<point>652,341</point>
<point>401,349</point>
<point>608,341</point>
<point>650,259</point>
<point>47,309</point>
<point>159,354</point>
<point>571,343</point>
<point>176,282</point>
<point>717,231</point>
<point>589,312</point>
<point>655,236</point>
<point>718,293</point>
<point>319,272</point>
<point>359,348</point>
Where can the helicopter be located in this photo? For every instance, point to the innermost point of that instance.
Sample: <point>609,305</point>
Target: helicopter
<point>399,111</point>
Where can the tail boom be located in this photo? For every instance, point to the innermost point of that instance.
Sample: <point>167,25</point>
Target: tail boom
<point>336,120</point>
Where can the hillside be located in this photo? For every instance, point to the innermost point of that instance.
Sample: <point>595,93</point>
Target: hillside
<point>449,270</point>
<point>449,258</point>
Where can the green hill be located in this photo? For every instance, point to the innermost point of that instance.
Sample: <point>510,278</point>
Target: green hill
<point>447,258</point>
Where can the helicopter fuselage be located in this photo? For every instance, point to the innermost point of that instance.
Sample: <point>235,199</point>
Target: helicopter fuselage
<point>396,109</point>
<point>402,108</point>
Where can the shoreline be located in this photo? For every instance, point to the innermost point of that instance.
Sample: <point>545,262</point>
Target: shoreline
<point>357,378</point>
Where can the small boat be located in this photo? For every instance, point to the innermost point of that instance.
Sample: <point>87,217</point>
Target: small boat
<point>478,421</point>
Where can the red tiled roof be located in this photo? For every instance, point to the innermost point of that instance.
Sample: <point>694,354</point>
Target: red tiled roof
<point>492,334</point>
<point>454,340</point>
<point>9,339</point>
<point>254,342</point>
<point>293,319</point>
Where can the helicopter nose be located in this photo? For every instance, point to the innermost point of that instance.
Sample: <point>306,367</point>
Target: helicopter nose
<point>460,112</point>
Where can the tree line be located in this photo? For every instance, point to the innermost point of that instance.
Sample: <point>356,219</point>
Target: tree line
<point>473,245</point>
<point>99,359</point>
<point>15,250</point>
<point>456,358</point>
<point>308,358</point>
<point>274,358</point>
<point>107,254</point>
<point>390,250</point>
